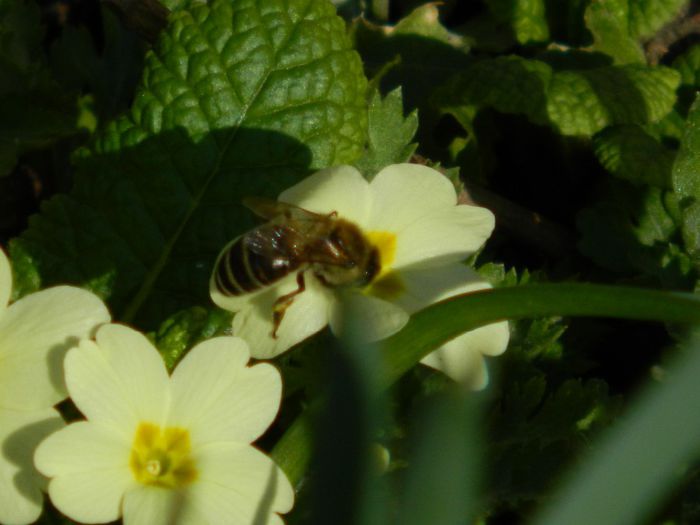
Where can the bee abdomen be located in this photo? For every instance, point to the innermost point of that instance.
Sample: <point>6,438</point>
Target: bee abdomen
<point>240,270</point>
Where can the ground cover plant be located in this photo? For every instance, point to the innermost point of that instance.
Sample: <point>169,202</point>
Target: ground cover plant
<point>519,180</point>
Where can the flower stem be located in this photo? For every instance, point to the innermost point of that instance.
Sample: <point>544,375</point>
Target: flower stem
<point>437,324</point>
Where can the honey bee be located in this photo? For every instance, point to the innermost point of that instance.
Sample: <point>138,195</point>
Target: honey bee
<point>294,240</point>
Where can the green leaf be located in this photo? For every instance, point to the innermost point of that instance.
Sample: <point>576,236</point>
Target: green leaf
<point>509,84</point>
<point>646,17</point>
<point>237,98</point>
<point>584,102</point>
<point>580,102</point>
<point>686,183</point>
<point>630,153</point>
<point>608,21</point>
<point>622,482</point>
<point>632,230</point>
<point>389,134</point>
<point>432,327</point>
<point>688,65</point>
<point>180,332</point>
<point>532,426</point>
<point>536,418</point>
<point>618,25</point>
<point>427,56</point>
<point>525,17</point>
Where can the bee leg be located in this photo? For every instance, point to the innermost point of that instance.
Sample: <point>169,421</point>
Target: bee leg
<point>284,302</point>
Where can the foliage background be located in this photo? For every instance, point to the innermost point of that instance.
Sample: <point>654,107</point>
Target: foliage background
<point>128,137</point>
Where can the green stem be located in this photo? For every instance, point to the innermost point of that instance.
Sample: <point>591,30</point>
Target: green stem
<point>437,324</point>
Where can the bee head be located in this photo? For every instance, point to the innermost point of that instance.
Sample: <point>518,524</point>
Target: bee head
<point>353,261</point>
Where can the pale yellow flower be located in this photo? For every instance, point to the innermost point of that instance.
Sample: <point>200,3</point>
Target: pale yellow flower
<point>166,450</point>
<point>35,333</point>
<point>411,215</point>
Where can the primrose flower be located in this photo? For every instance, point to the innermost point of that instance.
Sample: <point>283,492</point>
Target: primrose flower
<point>166,450</point>
<point>410,216</point>
<point>35,333</point>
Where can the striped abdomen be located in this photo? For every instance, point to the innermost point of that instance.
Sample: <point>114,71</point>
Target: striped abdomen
<point>241,270</point>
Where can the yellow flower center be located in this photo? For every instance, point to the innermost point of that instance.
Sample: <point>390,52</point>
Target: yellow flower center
<point>385,243</point>
<point>162,456</point>
<point>387,284</point>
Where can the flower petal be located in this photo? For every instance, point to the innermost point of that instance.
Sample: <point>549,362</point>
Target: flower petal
<point>35,333</point>
<point>445,236</point>
<point>89,465</point>
<point>218,398</point>
<point>82,447</point>
<point>307,315</point>
<point>373,318</point>
<point>404,193</point>
<point>239,484</point>
<point>341,189</point>
<point>5,281</point>
<point>462,358</point>
<point>414,289</point>
<point>118,381</point>
<point>147,505</point>
<point>20,484</point>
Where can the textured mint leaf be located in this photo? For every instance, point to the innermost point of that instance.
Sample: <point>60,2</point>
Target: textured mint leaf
<point>509,84</point>
<point>180,332</point>
<point>635,230</point>
<point>670,127</point>
<point>688,65</point>
<point>630,153</point>
<point>646,17</point>
<point>424,21</point>
<point>686,182</point>
<point>536,419</point>
<point>237,98</point>
<point>389,133</point>
<point>525,17</point>
<point>608,22</point>
<point>498,276</point>
<point>532,425</point>
<point>580,102</point>
<point>584,102</point>
<point>422,54</point>
<point>625,22</point>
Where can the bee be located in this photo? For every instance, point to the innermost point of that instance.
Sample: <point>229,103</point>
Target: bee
<point>333,249</point>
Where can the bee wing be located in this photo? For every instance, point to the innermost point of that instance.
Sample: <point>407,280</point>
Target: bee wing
<point>266,240</point>
<point>271,209</point>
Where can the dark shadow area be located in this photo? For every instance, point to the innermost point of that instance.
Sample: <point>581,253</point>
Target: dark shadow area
<point>143,226</point>
<point>18,199</point>
<point>419,66</point>
<point>340,482</point>
<point>618,94</point>
<point>55,358</point>
<point>264,508</point>
<point>18,448</point>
